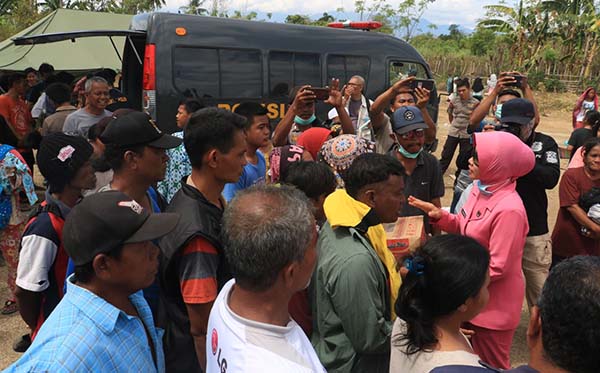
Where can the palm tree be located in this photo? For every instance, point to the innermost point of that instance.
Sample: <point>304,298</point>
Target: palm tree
<point>194,7</point>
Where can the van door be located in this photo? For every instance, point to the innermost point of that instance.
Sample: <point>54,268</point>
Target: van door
<point>399,68</point>
<point>131,56</point>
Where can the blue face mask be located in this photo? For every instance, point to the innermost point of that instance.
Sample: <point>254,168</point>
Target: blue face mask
<point>304,122</point>
<point>483,188</point>
<point>406,154</point>
<point>498,112</point>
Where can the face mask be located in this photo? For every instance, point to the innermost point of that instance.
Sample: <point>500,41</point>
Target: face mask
<point>483,188</point>
<point>498,112</point>
<point>405,153</point>
<point>304,122</point>
<point>308,284</point>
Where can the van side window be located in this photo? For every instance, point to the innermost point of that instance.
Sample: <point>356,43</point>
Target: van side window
<point>288,69</point>
<point>345,67</point>
<point>402,69</point>
<point>211,72</point>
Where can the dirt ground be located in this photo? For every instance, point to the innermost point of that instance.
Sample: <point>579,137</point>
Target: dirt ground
<point>556,122</point>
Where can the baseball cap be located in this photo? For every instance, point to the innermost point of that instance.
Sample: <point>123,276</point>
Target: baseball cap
<point>137,128</point>
<point>106,220</point>
<point>61,155</point>
<point>517,110</point>
<point>406,119</point>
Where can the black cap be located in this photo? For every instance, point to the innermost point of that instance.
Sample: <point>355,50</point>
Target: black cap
<point>106,220</point>
<point>137,128</point>
<point>61,155</point>
<point>517,110</point>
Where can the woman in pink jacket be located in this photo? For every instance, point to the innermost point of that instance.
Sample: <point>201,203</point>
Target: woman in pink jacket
<point>494,215</point>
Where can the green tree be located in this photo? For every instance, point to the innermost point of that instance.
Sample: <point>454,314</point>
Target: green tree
<point>482,41</point>
<point>194,7</point>
<point>403,19</point>
<point>298,19</point>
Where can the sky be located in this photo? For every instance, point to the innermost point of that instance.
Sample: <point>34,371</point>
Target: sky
<point>441,12</point>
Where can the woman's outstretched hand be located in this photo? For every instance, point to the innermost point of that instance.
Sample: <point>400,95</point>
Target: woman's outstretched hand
<point>432,211</point>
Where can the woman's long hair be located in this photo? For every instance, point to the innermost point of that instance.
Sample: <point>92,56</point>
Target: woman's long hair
<point>443,274</point>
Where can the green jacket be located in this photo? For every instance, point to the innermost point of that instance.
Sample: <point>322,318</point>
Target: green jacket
<point>350,304</point>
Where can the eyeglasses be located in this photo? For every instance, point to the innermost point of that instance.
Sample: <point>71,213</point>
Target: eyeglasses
<point>413,134</point>
<point>404,101</point>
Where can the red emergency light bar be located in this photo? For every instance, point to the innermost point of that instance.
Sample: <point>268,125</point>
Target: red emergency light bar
<point>368,25</point>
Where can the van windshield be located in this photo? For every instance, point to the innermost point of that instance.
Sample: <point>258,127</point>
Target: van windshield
<point>402,69</point>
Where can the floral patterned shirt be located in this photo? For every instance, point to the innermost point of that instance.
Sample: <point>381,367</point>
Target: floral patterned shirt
<point>178,167</point>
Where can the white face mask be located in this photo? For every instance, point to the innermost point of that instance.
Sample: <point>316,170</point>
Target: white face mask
<point>308,283</point>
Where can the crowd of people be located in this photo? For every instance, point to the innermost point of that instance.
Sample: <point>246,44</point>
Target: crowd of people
<point>226,246</point>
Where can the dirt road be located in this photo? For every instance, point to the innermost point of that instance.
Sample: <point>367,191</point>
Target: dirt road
<point>555,122</point>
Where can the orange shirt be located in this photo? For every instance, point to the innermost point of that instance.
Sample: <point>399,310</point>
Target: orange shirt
<point>17,114</point>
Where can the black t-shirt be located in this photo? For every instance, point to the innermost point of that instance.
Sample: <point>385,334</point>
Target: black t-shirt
<point>579,137</point>
<point>532,187</point>
<point>425,183</point>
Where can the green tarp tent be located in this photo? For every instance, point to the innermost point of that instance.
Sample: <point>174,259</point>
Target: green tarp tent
<point>83,54</point>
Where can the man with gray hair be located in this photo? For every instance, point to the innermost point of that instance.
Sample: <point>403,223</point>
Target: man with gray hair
<point>269,236</point>
<point>358,106</point>
<point>96,100</point>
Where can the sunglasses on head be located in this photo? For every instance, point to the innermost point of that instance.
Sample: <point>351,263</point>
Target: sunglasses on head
<point>413,134</point>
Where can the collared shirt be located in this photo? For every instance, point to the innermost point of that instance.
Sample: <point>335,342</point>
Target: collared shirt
<point>85,333</point>
<point>244,345</point>
<point>55,122</point>
<point>461,111</point>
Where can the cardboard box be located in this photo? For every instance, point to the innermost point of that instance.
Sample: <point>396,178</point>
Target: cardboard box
<point>405,235</point>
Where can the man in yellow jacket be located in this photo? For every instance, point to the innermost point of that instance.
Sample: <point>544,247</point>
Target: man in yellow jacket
<point>356,283</point>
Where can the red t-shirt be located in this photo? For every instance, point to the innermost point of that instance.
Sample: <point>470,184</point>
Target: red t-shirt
<point>567,239</point>
<point>16,113</point>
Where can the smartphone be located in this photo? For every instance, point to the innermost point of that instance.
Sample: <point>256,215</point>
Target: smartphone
<point>321,94</point>
<point>518,80</point>
<point>422,83</point>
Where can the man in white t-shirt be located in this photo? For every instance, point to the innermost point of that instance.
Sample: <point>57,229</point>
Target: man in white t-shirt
<point>269,238</point>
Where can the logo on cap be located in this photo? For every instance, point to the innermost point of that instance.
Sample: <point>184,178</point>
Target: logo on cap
<point>409,115</point>
<point>133,205</point>
<point>66,153</point>
<point>154,125</point>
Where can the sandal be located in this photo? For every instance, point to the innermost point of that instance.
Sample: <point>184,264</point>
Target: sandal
<point>10,307</point>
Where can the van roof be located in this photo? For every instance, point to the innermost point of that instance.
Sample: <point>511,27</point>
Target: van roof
<point>277,35</point>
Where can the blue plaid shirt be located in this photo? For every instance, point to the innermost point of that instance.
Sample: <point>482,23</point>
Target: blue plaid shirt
<point>85,333</point>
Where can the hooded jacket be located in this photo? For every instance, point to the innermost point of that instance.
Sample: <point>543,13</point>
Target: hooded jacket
<point>498,221</point>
